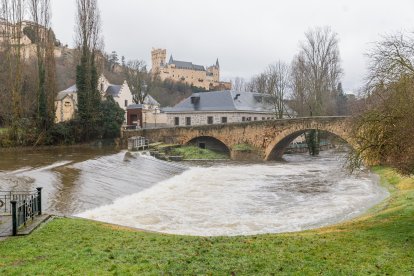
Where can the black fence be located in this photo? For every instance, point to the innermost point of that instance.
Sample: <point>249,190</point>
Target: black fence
<point>23,206</point>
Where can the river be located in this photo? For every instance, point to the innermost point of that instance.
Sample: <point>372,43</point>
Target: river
<point>194,198</point>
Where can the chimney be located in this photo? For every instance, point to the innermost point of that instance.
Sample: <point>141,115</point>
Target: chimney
<point>195,100</point>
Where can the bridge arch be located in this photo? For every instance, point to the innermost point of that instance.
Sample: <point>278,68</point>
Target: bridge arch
<point>277,147</point>
<point>208,142</point>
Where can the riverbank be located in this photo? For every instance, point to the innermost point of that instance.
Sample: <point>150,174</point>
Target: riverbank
<point>380,242</point>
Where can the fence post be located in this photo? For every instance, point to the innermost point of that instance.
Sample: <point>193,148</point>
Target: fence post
<point>24,212</point>
<point>14,216</point>
<point>39,199</point>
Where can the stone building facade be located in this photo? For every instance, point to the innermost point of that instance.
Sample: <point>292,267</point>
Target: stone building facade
<point>66,105</point>
<point>207,78</point>
<point>212,118</point>
<point>221,107</point>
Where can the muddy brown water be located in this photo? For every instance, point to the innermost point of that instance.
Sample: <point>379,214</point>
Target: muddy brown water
<point>195,198</point>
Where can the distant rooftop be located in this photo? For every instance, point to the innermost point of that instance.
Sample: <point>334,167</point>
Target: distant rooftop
<point>113,90</point>
<point>227,100</point>
<point>185,65</point>
<point>149,100</point>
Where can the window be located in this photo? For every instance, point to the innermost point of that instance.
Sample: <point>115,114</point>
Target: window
<point>67,104</point>
<point>243,119</point>
<point>133,119</point>
<point>210,120</point>
<point>188,121</point>
<point>263,118</point>
<point>126,102</point>
<point>224,120</point>
<point>176,121</point>
<point>255,118</point>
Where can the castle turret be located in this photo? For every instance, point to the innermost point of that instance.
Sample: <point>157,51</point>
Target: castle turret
<point>158,58</point>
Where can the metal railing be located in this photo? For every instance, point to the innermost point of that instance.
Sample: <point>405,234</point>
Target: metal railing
<point>22,206</point>
<point>137,143</point>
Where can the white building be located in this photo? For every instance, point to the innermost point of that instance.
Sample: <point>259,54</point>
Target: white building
<point>220,107</point>
<point>66,100</point>
<point>121,93</point>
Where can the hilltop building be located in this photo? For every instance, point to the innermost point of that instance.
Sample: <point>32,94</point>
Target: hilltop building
<point>207,78</point>
<point>24,33</point>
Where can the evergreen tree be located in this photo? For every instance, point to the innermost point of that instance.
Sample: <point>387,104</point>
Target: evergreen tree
<point>112,118</point>
<point>113,59</point>
<point>89,98</point>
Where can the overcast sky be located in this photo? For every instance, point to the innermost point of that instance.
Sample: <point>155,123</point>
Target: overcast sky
<point>246,35</point>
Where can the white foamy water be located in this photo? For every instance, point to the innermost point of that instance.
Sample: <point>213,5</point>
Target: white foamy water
<point>244,199</point>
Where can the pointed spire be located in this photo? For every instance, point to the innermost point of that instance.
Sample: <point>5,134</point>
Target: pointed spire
<point>171,60</point>
<point>217,63</point>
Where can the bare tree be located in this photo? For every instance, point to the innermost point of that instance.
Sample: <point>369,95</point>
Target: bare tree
<point>238,84</point>
<point>274,82</point>
<point>300,96</point>
<point>88,39</point>
<point>278,77</point>
<point>391,58</point>
<point>12,12</point>
<point>88,26</point>
<point>138,79</point>
<point>383,132</point>
<point>316,73</point>
<point>46,91</point>
<point>258,83</point>
<point>319,63</point>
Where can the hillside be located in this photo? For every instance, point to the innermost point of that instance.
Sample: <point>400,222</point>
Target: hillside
<point>167,93</point>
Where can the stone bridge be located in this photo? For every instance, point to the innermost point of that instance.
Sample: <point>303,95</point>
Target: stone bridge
<point>268,138</point>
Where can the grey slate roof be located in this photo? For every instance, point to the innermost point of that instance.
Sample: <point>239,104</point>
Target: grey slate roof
<point>72,89</point>
<point>61,95</point>
<point>149,100</point>
<point>113,90</point>
<point>134,106</point>
<point>67,91</point>
<point>223,101</point>
<point>185,65</point>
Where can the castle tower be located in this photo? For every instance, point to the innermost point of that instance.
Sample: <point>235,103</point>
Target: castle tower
<point>158,58</point>
<point>215,71</point>
<point>217,76</point>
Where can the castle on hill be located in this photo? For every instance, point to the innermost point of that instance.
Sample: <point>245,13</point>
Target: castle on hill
<point>207,78</point>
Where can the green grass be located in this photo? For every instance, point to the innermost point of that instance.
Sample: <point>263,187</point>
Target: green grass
<point>243,147</point>
<point>192,152</point>
<point>380,243</point>
<point>3,130</point>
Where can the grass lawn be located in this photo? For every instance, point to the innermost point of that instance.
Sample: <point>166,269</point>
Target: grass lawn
<point>381,242</point>
<point>243,147</point>
<point>191,152</point>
